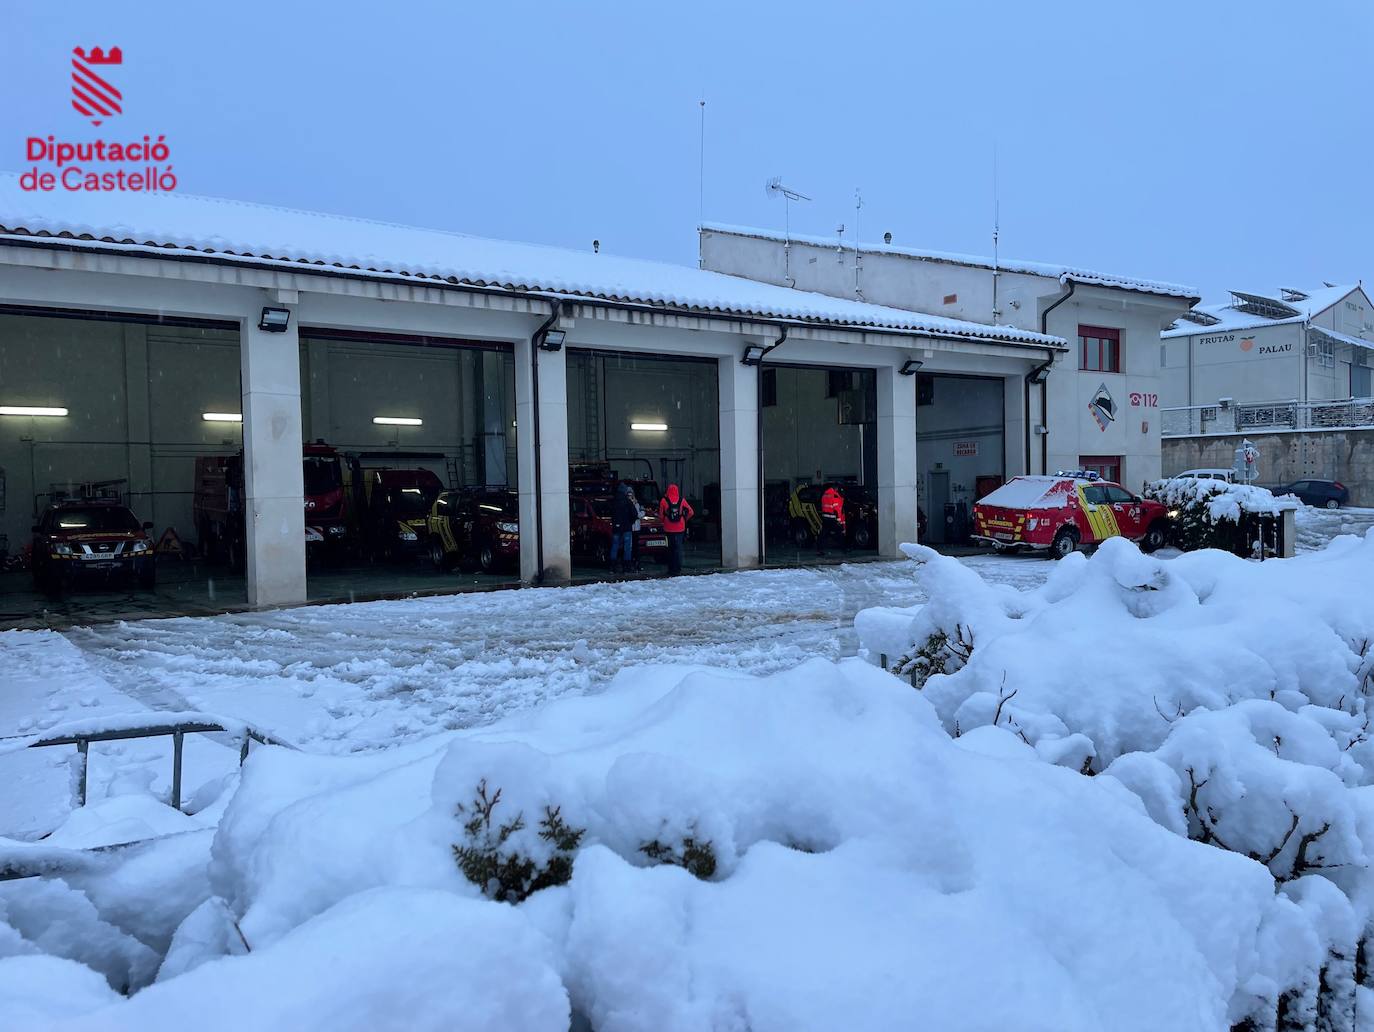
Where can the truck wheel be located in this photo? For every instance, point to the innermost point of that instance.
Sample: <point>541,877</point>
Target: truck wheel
<point>601,554</point>
<point>801,534</point>
<point>1154,538</point>
<point>1065,543</point>
<point>486,559</point>
<point>438,556</point>
<point>862,537</point>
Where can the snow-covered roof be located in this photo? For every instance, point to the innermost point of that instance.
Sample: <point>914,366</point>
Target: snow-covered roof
<point>1304,304</point>
<point>1063,273</point>
<point>1342,338</point>
<point>340,245</point>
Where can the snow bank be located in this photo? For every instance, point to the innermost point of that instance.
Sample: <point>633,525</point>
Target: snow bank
<point>1118,645</point>
<point>389,959</point>
<point>1231,698</point>
<point>866,868</point>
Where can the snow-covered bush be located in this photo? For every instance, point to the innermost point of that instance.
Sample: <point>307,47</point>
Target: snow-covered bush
<point>1236,518</point>
<point>867,868</point>
<point>1233,699</point>
<point>497,865</point>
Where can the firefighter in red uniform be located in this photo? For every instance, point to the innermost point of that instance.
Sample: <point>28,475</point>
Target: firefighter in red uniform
<point>832,519</point>
<point>674,511</point>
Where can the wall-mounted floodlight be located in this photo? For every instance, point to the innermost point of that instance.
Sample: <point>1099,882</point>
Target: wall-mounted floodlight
<point>753,354</point>
<point>553,340</point>
<point>656,428</point>
<point>222,417</point>
<point>911,367</point>
<point>398,421</point>
<point>275,320</point>
<point>31,410</point>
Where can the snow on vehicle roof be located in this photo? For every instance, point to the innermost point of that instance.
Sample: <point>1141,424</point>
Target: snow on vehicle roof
<point>1031,493</point>
<point>238,231</point>
<point>1230,317</point>
<point>1063,273</point>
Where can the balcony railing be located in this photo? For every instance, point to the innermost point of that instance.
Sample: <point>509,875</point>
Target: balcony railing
<point>1255,417</point>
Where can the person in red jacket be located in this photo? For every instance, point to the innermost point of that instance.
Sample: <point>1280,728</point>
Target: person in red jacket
<point>832,519</point>
<point>673,512</point>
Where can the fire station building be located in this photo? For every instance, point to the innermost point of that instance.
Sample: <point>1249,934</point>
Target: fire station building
<point>304,407</point>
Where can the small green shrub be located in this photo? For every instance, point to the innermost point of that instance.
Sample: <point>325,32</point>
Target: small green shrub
<point>938,654</point>
<point>696,858</point>
<point>503,872</point>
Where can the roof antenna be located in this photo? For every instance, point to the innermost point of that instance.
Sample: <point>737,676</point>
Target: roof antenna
<point>996,233</point>
<point>701,164</point>
<point>858,258</point>
<point>774,188</point>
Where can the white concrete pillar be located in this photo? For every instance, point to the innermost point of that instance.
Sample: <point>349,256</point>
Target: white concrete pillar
<point>896,460</point>
<point>274,490</point>
<point>739,463</point>
<point>551,454</point>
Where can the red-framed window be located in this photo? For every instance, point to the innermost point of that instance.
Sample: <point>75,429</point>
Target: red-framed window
<point>1108,467</point>
<point>1099,349</point>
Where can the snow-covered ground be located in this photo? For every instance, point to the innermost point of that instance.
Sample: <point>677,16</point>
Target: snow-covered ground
<point>1318,526</point>
<point>808,842</point>
<point>377,674</point>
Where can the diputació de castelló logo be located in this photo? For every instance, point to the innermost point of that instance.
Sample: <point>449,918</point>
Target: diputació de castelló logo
<point>92,94</point>
<point>99,165</point>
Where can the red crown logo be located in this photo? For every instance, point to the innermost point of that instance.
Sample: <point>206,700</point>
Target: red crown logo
<point>92,94</point>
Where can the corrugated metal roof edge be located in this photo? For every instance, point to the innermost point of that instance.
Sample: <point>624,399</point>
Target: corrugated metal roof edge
<point>974,332</point>
<point>1062,272</point>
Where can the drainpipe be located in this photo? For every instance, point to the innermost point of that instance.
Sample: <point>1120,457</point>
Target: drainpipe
<point>758,412</point>
<point>538,336</point>
<point>1039,375</point>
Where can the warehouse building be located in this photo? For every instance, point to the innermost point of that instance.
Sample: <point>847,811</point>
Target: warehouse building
<point>1293,346</point>
<point>294,402</point>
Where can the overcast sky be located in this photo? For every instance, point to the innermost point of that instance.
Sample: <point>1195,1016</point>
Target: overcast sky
<point>1218,144</point>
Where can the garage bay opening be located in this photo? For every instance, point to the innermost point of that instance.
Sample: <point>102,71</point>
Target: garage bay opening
<point>645,424</point>
<point>960,442</point>
<point>105,423</point>
<point>820,463</point>
<point>409,465</point>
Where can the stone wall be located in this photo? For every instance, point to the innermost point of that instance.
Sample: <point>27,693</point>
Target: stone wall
<point>1344,455</point>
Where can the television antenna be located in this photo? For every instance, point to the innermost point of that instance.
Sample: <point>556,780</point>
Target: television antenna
<point>775,188</point>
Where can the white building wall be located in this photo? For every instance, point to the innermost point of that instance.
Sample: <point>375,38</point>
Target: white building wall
<point>1135,391</point>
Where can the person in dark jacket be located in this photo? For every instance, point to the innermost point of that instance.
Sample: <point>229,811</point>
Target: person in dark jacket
<point>673,512</point>
<point>624,516</point>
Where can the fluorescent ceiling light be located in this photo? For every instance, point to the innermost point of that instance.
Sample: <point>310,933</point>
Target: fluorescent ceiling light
<point>654,427</point>
<point>31,410</point>
<point>398,420</point>
<point>222,417</point>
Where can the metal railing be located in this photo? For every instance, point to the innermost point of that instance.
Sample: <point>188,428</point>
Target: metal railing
<point>178,730</point>
<point>1251,417</point>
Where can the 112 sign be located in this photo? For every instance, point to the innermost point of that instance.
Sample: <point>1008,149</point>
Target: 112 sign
<point>1139,400</point>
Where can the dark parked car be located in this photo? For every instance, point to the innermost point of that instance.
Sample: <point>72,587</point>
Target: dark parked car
<point>397,514</point>
<point>91,539</point>
<point>475,525</point>
<point>590,531</point>
<point>1324,494</point>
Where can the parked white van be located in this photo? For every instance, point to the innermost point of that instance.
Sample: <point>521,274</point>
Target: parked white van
<point>1228,475</point>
